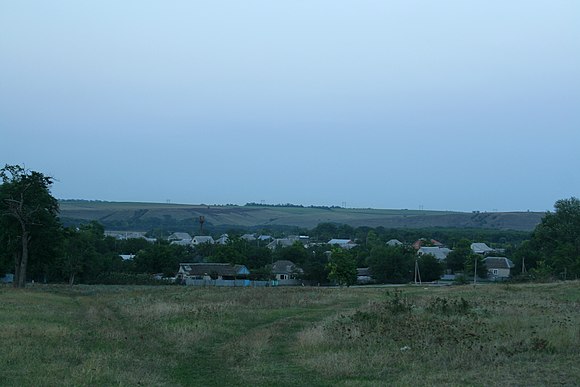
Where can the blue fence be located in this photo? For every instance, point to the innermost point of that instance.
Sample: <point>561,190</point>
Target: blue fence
<point>228,283</point>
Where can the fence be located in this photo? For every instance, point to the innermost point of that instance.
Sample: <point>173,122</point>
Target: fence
<point>227,283</point>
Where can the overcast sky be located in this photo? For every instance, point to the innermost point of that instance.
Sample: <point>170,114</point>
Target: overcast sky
<point>459,105</point>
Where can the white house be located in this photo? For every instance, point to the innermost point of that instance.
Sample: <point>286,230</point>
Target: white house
<point>223,239</point>
<point>498,268</point>
<point>199,239</point>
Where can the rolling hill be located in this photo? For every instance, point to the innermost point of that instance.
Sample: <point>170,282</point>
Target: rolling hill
<point>144,216</point>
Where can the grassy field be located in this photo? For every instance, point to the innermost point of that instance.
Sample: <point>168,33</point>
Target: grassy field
<point>174,336</point>
<point>146,215</point>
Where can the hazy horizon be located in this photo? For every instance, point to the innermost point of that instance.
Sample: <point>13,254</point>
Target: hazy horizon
<point>453,105</point>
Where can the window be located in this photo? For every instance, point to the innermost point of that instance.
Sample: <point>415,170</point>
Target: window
<point>495,271</point>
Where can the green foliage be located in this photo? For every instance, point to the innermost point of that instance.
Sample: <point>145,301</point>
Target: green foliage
<point>555,242</point>
<point>29,225</point>
<point>460,255</point>
<point>315,268</point>
<point>392,263</point>
<point>295,253</point>
<point>160,258</point>
<point>470,266</point>
<point>446,306</point>
<point>342,267</point>
<point>140,335</point>
<point>430,268</point>
<point>398,303</point>
<point>126,279</point>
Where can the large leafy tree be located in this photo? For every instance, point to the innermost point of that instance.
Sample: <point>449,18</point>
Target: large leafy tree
<point>430,267</point>
<point>556,240</point>
<point>161,258</point>
<point>85,253</point>
<point>475,265</point>
<point>460,255</point>
<point>342,267</point>
<point>27,211</point>
<point>392,263</point>
<point>295,253</point>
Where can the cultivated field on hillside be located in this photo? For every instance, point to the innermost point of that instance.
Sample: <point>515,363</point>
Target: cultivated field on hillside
<point>173,336</point>
<point>146,215</point>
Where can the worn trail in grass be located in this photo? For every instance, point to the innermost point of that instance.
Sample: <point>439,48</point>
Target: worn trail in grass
<point>174,336</point>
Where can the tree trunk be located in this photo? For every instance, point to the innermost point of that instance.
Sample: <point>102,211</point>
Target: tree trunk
<point>17,259</point>
<point>71,280</point>
<point>23,260</point>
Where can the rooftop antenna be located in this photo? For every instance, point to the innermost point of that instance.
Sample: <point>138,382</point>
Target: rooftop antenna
<point>201,222</point>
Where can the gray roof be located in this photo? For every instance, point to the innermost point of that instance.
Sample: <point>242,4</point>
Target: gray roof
<point>285,267</point>
<point>282,242</point>
<point>439,252</point>
<point>222,269</point>
<point>181,242</point>
<point>498,263</point>
<point>123,235</point>
<point>480,248</point>
<point>339,241</point>
<point>223,239</point>
<point>202,239</point>
<point>394,242</point>
<point>179,236</point>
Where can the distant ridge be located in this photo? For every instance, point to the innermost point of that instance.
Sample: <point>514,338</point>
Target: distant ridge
<point>144,216</point>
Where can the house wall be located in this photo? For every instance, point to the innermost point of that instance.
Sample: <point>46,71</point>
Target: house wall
<point>501,273</point>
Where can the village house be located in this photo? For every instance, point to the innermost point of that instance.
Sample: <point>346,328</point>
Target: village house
<point>342,243</point>
<point>179,236</point>
<point>211,271</point>
<point>223,239</point>
<point>439,252</point>
<point>126,235</point>
<point>427,243</point>
<point>498,268</point>
<point>289,241</point>
<point>287,273</point>
<point>199,239</point>
<point>248,237</point>
<point>481,248</point>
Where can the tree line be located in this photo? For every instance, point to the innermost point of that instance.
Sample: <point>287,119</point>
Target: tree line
<point>34,245</point>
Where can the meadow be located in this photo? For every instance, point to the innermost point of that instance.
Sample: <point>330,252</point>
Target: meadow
<point>496,334</point>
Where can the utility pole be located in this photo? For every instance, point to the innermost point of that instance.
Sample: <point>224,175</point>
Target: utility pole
<point>417,272</point>
<point>475,270</point>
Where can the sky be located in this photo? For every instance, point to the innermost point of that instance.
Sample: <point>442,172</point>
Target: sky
<point>445,105</point>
